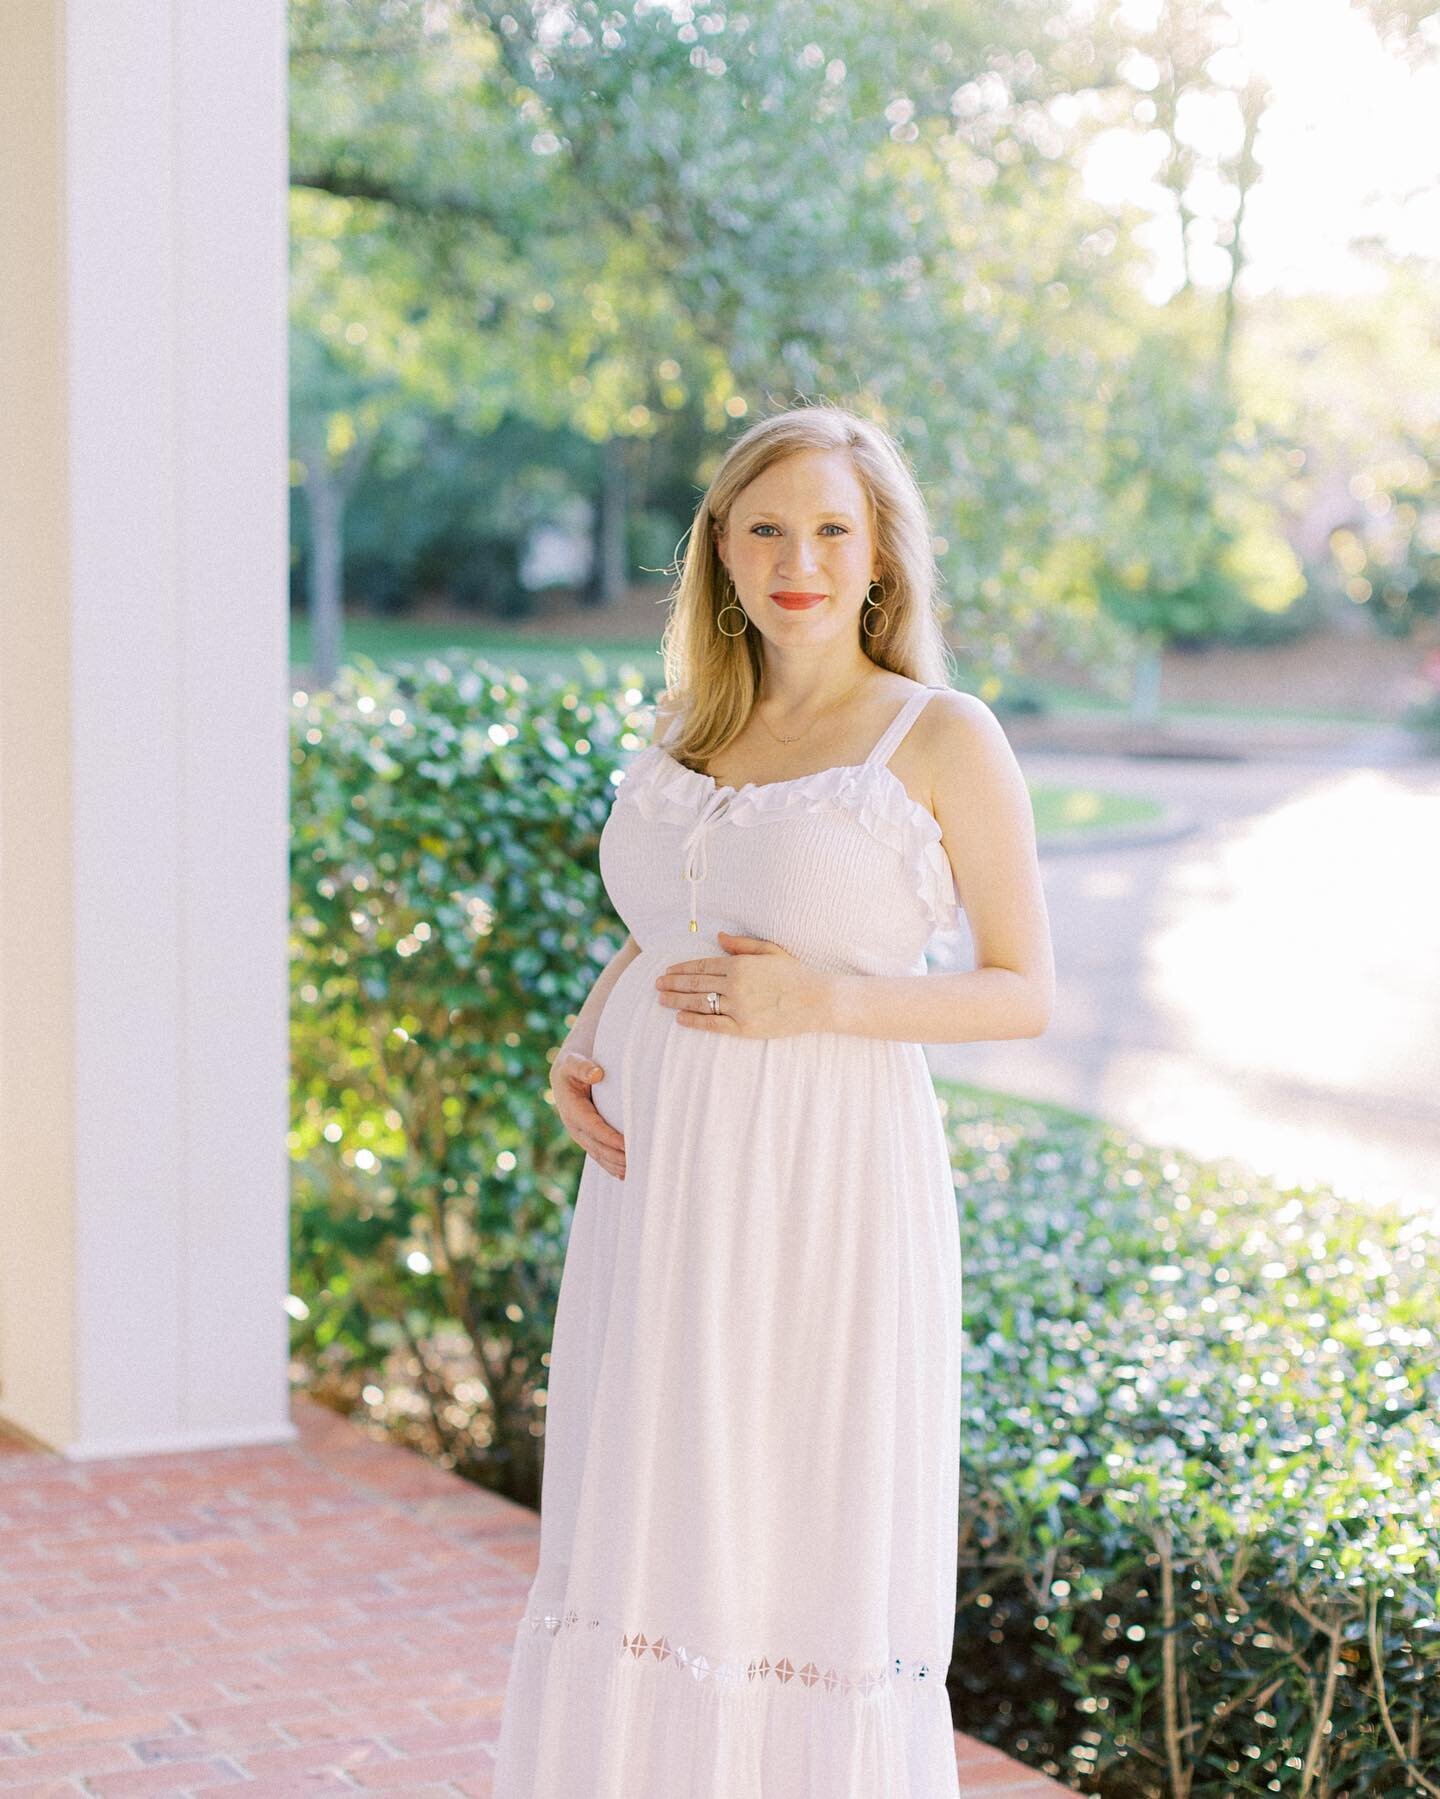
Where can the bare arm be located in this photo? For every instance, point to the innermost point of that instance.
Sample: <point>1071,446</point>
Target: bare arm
<point>979,796</point>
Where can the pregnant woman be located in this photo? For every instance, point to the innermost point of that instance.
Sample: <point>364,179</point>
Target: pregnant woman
<point>748,1539</point>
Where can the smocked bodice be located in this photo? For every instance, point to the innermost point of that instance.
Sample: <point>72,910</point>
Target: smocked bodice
<point>840,867</point>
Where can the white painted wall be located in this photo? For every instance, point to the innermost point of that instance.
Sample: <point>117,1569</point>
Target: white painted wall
<point>143,698</point>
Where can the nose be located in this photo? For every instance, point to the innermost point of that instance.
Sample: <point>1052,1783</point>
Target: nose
<point>798,563</point>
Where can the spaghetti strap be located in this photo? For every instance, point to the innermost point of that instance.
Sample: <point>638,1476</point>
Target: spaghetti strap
<point>898,726</point>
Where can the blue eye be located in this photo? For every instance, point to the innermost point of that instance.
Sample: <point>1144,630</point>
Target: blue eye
<point>832,526</point>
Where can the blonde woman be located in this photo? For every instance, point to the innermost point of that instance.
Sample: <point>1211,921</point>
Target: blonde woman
<point>748,1545</point>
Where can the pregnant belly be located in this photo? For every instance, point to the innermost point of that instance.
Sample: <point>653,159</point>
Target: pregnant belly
<point>739,1097</point>
<point>635,1031</point>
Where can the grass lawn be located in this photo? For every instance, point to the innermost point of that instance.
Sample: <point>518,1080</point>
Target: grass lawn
<point>404,639</point>
<point>1072,809</point>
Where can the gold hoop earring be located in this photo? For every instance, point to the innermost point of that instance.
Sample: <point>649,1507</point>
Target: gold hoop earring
<point>732,605</point>
<point>868,614</point>
<point>732,608</point>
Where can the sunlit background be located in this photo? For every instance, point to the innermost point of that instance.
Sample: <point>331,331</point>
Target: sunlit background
<point>1348,151</point>
<point>1148,290</point>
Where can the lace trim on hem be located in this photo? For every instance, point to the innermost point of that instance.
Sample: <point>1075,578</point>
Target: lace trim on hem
<point>781,1670</point>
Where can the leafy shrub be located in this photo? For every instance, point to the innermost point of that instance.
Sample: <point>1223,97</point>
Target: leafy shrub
<point>1200,1533</point>
<point>447,922</point>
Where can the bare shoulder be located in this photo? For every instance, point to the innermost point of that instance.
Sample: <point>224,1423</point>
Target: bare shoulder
<point>965,748</point>
<point>961,724</point>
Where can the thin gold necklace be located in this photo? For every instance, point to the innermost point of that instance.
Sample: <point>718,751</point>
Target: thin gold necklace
<point>818,716</point>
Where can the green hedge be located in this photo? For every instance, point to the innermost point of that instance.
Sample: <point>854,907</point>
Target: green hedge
<point>447,920</point>
<point>1200,1536</point>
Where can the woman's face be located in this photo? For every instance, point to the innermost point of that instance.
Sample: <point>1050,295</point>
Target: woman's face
<point>801,529</point>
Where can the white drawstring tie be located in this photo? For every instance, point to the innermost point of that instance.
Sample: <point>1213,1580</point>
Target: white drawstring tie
<point>694,845</point>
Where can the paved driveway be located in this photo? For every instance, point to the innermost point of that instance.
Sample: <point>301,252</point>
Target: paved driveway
<point>1266,986</point>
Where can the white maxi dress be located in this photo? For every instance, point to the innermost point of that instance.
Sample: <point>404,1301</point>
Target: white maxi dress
<point>748,1537</point>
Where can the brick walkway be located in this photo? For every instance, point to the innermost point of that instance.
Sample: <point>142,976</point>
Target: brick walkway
<point>331,1615</point>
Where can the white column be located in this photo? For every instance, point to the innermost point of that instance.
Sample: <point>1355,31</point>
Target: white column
<point>143,699</point>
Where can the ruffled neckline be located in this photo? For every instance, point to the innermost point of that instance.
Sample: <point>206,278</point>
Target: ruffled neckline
<point>667,789</point>
<point>821,780</point>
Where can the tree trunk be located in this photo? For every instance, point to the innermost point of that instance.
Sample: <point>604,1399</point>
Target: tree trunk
<point>1145,684</point>
<point>611,574</point>
<point>325,497</point>
<point>1176,173</point>
<point>1247,173</point>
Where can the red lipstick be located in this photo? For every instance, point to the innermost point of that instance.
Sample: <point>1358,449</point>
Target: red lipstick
<point>794,601</point>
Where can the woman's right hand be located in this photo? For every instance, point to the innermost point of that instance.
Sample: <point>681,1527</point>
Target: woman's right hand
<point>571,1078</point>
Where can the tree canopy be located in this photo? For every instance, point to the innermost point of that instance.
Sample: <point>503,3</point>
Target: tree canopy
<point>644,224</point>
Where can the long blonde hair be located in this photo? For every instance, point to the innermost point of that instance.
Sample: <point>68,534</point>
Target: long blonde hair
<point>715,679</point>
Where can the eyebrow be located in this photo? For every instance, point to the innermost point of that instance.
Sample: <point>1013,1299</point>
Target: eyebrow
<point>821,517</point>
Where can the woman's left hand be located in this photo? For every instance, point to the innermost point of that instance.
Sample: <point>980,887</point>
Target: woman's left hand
<point>764,990</point>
